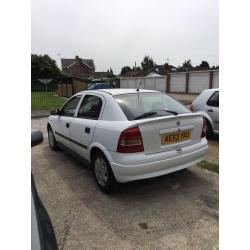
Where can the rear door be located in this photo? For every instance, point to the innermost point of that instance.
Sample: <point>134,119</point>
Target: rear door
<point>84,123</point>
<point>212,109</point>
<point>170,132</point>
<point>63,122</point>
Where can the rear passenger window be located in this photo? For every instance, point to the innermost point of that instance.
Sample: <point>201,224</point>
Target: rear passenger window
<point>214,100</point>
<point>90,107</point>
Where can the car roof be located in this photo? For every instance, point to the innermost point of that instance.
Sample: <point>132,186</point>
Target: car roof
<point>119,91</point>
<point>211,90</point>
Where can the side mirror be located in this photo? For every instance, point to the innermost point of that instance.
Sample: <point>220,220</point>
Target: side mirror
<point>55,112</point>
<point>36,138</point>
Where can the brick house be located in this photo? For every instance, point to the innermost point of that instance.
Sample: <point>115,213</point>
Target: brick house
<point>78,67</point>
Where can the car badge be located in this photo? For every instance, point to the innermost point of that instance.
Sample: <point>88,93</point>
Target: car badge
<point>178,123</point>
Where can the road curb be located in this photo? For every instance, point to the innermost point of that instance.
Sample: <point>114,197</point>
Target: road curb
<point>38,116</point>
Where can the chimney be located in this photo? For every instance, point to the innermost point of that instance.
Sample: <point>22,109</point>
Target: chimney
<point>77,58</point>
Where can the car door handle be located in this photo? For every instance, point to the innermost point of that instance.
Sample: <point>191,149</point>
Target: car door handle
<point>210,110</point>
<point>87,130</point>
<point>67,125</point>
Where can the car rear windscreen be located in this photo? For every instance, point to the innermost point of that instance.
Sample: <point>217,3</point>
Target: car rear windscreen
<point>136,104</point>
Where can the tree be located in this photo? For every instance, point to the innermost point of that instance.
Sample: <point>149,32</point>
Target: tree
<point>125,69</point>
<point>204,64</point>
<point>215,67</point>
<point>187,65</point>
<point>43,67</point>
<point>136,68</point>
<point>110,73</point>
<point>147,63</point>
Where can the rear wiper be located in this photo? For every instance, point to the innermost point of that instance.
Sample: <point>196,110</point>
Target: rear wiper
<point>145,115</point>
<point>169,111</point>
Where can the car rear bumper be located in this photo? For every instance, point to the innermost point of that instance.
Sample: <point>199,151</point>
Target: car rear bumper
<point>141,166</point>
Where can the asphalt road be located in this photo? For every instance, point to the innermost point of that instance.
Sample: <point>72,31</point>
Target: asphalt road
<point>177,211</point>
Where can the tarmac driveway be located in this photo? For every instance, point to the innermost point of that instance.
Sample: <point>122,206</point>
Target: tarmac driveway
<point>177,211</point>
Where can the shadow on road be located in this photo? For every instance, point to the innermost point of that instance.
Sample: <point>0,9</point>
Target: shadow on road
<point>214,138</point>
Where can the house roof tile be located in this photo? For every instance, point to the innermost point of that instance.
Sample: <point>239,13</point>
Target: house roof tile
<point>67,62</point>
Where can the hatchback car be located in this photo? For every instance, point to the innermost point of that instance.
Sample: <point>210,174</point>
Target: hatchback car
<point>128,134</point>
<point>207,103</point>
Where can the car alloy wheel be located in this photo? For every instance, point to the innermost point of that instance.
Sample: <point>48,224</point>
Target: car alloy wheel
<point>101,171</point>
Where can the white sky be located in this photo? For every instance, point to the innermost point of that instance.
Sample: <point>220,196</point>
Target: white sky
<point>116,33</point>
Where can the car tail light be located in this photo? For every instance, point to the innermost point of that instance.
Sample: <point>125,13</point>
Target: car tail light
<point>204,128</point>
<point>130,141</point>
<point>191,107</point>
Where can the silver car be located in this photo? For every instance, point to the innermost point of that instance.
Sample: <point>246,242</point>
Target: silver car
<point>207,103</point>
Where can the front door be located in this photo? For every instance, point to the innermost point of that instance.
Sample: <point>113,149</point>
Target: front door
<point>63,123</point>
<point>84,123</point>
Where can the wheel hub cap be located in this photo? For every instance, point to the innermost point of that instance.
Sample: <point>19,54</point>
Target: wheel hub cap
<point>101,171</point>
<point>51,139</point>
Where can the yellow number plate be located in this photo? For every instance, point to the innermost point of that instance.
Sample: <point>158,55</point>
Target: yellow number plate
<point>176,137</point>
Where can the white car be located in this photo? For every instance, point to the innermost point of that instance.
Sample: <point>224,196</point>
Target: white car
<point>207,103</point>
<point>128,134</point>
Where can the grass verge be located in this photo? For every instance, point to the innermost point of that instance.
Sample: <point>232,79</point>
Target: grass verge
<point>46,100</point>
<point>209,166</point>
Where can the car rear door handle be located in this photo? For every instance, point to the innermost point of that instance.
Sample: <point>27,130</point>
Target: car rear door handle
<point>67,125</point>
<point>87,130</point>
<point>210,110</point>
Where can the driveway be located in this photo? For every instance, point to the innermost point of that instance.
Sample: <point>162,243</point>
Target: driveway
<point>177,211</point>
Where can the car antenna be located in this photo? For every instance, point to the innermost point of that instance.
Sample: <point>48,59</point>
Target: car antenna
<point>139,86</point>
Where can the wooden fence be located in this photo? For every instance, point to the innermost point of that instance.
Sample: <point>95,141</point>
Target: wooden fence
<point>70,86</point>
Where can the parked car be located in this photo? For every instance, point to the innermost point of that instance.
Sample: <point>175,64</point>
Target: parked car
<point>42,232</point>
<point>207,103</point>
<point>128,134</point>
<point>100,85</point>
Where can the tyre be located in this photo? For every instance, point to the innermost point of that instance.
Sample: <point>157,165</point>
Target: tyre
<point>52,140</point>
<point>209,132</point>
<point>103,173</point>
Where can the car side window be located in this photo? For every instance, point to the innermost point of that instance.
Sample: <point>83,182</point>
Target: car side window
<point>69,108</point>
<point>90,107</point>
<point>214,100</point>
